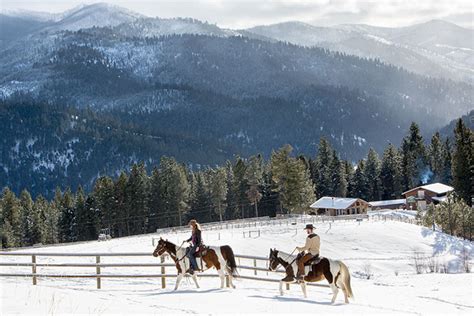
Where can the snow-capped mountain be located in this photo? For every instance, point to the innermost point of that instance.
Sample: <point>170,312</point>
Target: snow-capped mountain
<point>151,27</point>
<point>98,15</point>
<point>134,88</point>
<point>436,48</point>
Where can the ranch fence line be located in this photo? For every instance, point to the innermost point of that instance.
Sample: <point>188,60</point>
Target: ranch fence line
<point>99,275</point>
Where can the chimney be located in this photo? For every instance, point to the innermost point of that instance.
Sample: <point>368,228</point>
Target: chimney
<point>332,201</point>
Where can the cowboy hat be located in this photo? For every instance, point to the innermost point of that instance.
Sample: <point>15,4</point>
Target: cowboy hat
<point>309,226</point>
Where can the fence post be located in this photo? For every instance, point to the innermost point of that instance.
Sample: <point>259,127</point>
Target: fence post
<point>33,268</point>
<point>255,266</point>
<point>227,281</point>
<point>287,286</point>
<point>163,272</point>
<point>97,271</point>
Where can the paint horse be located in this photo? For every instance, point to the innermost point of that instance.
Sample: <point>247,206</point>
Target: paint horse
<point>222,258</point>
<point>334,271</point>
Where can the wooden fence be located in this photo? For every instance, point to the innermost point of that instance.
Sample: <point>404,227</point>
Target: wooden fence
<point>98,267</point>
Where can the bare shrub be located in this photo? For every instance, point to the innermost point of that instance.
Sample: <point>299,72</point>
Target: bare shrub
<point>367,268</point>
<point>444,267</point>
<point>418,261</point>
<point>432,264</point>
<point>465,260</point>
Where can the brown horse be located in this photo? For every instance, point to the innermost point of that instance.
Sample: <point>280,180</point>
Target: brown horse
<point>222,258</point>
<point>334,271</point>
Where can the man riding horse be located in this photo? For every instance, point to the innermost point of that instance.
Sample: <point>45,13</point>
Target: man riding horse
<point>308,252</point>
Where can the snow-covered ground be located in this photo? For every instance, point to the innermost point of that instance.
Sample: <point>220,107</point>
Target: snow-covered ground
<point>381,248</point>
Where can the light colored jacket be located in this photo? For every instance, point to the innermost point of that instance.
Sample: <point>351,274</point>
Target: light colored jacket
<point>312,245</point>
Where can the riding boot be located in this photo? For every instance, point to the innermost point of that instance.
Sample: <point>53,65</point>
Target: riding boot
<point>190,271</point>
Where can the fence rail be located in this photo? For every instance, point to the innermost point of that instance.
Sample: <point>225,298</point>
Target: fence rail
<point>98,275</point>
<point>164,266</point>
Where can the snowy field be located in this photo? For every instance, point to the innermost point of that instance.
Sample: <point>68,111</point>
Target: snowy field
<point>382,249</point>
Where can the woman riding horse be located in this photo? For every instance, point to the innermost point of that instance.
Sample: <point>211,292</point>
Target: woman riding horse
<point>196,242</point>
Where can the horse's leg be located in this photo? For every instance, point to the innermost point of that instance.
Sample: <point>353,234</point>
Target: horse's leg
<point>335,290</point>
<point>303,288</point>
<point>178,281</point>
<point>231,280</point>
<point>195,280</point>
<point>222,277</point>
<point>281,288</point>
<point>344,290</point>
<point>346,300</point>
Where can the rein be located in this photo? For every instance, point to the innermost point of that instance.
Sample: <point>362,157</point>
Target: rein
<point>288,257</point>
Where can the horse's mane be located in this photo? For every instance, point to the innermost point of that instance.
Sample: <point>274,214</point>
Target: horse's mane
<point>285,256</point>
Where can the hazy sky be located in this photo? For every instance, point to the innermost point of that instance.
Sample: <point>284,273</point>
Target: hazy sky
<point>246,13</point>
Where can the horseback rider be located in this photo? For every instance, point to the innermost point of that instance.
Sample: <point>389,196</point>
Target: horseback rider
<point>196,242</point>
<point>308,252</point>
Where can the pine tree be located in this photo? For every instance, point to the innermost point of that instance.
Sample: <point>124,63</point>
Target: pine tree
<point>232,209</point>
<point>321,169</point>
<point>254,178</point>
<point>201,201</point>
<point>11,225</point>
<point>447,176</point>
<point>359,182</point>
<point>105,200</point>
<point>81,218</point>
<point>154,201</point>
<point>26,205</point>
<point>292,181</point>
<point>174,191</point>
<point>413,159</point>
<point>436,158</point>
<point>463,162</point>
<point>240,185</point>
<point>448,215</point>
<point>119,223</point>
<point>218,190</point>
<point>67,217</point>
<point>349,173</point>
<point>136,200</point>
<point>39,230</point>
<point>338,184</point>
<point>372,175</point>
<point>390,174</point>
<point>51,219</point>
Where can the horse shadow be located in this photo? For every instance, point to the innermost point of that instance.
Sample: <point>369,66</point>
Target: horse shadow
<point>187,291</point>
<point>294,299</point>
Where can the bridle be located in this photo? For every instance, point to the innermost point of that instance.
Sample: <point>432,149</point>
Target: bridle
<point>164,249</point>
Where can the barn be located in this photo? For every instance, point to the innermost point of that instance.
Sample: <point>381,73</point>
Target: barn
<point>335,206</point>
<point>388,204</point>
<point>420,197</point>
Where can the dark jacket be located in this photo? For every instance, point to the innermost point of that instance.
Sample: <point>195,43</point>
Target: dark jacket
<point>195,238</point>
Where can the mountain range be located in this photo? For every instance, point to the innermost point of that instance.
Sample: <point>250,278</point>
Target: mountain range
<point>94,89</point>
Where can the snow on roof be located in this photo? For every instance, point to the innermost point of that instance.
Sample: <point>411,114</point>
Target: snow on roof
<point>440,198</point>
<point>335,203</point>
<point>388,202</point>
<point>437,188</point>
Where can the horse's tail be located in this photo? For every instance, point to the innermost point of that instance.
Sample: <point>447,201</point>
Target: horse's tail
<point>229,258</point>
<point>346,279</point>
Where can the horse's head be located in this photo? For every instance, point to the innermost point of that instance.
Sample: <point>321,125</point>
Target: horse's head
<point>273,261</point>
<point>162,247</point>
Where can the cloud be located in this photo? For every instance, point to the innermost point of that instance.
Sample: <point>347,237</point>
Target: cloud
<point>247,13</point>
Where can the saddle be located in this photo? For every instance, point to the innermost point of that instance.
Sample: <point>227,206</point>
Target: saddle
<point>310,262</point>
<point>314,260</point>
<point>201,251</point>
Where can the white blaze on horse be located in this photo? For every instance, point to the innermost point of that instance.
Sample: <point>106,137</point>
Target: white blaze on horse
<point>334,271</point>
<point>222,258</point>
